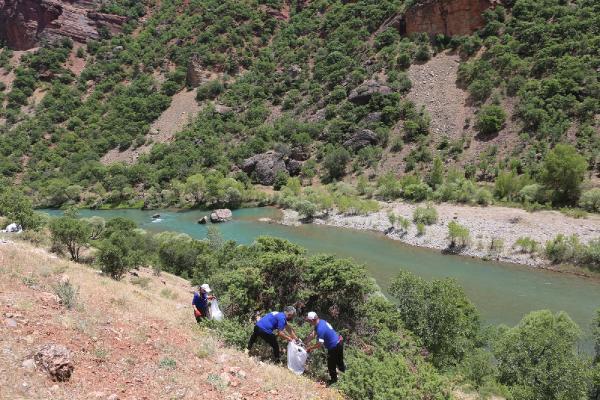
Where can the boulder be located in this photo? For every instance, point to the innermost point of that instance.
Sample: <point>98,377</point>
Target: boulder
<point>361,138</point>
<point>56,360</point>
<point>299,153</point>
<point>293,167</point>
<point>203,220</point>
<point>222,110</point>
<point>221,215</point>
<point>264,167</point>
<point>363,93</point>
<point>373,117</point>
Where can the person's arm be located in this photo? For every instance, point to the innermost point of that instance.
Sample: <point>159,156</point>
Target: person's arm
<point>309,338</point>
<point>291,332</point>
<point>285,337</point>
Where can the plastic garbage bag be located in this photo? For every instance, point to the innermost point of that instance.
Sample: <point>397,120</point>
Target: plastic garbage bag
<point>215,311</point>
<point>296,357</point>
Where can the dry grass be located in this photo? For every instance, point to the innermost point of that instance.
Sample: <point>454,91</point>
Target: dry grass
<point>131,341</point>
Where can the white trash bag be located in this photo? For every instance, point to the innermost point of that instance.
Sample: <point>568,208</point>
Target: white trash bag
<point>296,356</point>
<point>215,311</point>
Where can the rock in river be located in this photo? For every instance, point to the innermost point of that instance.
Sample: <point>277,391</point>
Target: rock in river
<point>221,215</point>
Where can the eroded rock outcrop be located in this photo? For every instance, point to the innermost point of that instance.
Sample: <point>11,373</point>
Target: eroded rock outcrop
<point>56,360</point>
<point>448,17</point>
<point>363,93</point>
<point>264,167</point>
<point>361,138</point>
<point>24,23</point>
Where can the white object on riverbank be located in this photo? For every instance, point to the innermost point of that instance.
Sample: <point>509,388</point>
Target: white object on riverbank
<point>12,228</point>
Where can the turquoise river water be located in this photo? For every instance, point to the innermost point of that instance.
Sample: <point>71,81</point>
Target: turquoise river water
<point>502,292</point>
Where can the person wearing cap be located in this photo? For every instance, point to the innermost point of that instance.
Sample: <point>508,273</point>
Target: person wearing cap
<point>326,337</point>
<point>275,321</point>
<point>200,302</point>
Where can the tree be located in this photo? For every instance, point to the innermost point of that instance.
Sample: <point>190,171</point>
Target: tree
<point>440,313</point>
<point>335,162</point>
<point>18,208</point>
<point>563,171</point>
<point>458,234</point>
<point>70,232</point>
<point>490,119</point>
<point>436,176</point>
<point>537,358</point>
<point>121,252</point>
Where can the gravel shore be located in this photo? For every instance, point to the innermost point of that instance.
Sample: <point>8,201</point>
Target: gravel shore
<point>484,224</point>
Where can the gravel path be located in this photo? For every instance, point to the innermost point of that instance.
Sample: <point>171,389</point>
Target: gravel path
<point>484,224</point>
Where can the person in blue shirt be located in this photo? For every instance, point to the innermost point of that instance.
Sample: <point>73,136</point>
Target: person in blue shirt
<point>327,337</point>
<point>200,302</point>
<point>266,326</point>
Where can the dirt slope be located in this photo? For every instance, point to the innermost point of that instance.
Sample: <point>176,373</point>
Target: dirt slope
<point>182,111</point>
<point>128,341</point>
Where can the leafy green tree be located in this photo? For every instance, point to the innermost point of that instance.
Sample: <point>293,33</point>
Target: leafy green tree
<point>458,234</point>
<point>490,119</point>
<point>18,209</point>
<point>439,313</point>
<point>436,176</point>
<point>335,162</point>
<point>121,252</point>
<point>563,171</point>
<point>70,232</point>
<point>537,358</point>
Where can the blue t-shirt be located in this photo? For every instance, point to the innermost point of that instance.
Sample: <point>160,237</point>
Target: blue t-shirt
<point>326,335</point>
<point>272,321</point>
<point>200,301</point>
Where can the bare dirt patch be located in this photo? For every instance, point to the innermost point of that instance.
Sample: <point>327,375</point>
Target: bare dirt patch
<point>434,86</point>
<point>74,63</point>
<point>183,109</point>
<point>129,340</point>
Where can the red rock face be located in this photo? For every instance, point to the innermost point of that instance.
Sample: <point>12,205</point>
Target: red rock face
<point>448,17</point>
<point>23,23</point>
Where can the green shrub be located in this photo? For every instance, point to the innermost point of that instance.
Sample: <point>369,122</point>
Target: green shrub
<point>335,162</point>
<point>537,359</point>
<point>420,229</point>
<point>142,282</point>
<point>281,179</point>
<point>490,119</point>
<point>496,245</point>
<point>563,171</point>
<point>590,200</point>
<point>67,293</point>
<point>562,248</point>
<point>209,90</point>
<point>167,363</point>
<point>590,255</point>
<point>425,215</point>
<point>527,245</point>
<point>440,314</point>
<point>458,234</point>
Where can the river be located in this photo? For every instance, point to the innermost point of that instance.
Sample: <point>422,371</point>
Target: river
<point>503,293</point>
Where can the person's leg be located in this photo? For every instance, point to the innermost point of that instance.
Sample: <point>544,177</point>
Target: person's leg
<point>272,341</point>
<point>331,364</point>
<point>340,357</point>
<point>253,337</point>
<point>204,311</point>
<point>198,318</point>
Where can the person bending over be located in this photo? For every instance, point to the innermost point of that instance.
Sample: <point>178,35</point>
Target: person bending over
<point>326,337</point>
<point>275,321</point>
<point>200,302</point>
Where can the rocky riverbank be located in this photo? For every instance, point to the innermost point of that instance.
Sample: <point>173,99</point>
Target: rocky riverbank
<point>501,224</point>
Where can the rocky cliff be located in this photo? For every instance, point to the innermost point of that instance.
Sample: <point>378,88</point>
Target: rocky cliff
<point>448,17</point>
<point>23,23</point>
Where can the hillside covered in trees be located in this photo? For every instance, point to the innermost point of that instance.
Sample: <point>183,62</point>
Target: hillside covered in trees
<point>323,90</point>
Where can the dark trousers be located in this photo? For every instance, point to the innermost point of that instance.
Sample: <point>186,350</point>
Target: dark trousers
<point>335,359</point>
<point>271,339</point>
<point>203,314</point>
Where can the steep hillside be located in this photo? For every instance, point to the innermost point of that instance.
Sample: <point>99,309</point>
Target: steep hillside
<point>134,339</point>
<point>338,90</point>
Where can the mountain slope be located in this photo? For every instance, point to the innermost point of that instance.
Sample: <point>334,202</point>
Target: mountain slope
<point>135,339</point>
